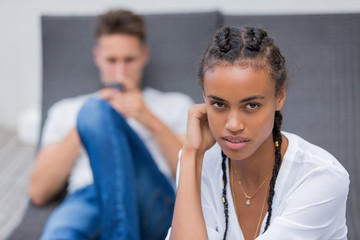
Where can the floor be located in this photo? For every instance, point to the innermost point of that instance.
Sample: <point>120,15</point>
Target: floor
<point>16,161</point>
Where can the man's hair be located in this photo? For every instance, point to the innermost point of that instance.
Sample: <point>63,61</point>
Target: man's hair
<point>120,22</point>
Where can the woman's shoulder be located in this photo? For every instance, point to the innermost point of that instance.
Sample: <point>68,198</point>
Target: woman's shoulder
<point>309,176</point>
<point>305,156</point>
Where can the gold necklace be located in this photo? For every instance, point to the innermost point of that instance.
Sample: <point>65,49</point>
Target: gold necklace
<point>232,192</point>
<point>248,197</point>
<point>257,232</point>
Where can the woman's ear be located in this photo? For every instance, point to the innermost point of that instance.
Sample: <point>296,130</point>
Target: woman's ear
<point>204,96</point>
<point>280,100</point>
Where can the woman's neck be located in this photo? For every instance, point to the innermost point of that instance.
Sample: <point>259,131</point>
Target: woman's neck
<point>253,170</point>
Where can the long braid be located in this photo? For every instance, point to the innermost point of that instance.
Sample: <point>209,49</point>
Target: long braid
<point>224,198</point>
<point>277,142</point>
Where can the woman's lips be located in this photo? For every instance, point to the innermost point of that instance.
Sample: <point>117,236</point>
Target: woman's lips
<point>235,143</point>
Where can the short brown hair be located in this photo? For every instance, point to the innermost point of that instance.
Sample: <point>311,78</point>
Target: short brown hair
<point>120,22</point>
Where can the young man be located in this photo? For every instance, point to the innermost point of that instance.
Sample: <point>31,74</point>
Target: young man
<point>116,148</point>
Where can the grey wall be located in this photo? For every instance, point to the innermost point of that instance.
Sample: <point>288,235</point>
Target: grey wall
<point>20,52</point>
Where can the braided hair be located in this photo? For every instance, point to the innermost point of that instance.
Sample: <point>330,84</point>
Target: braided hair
<point>248,47</point>
<point>224,198</point>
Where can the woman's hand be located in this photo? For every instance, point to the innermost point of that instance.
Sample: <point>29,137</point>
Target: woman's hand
<point>198,135</point>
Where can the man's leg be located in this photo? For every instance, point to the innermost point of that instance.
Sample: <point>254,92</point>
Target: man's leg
<point>110,160</point>
<point>134,195</point>
<point>76,218</point>
<point>156,199</point>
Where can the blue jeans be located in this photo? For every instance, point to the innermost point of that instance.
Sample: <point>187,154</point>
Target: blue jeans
<point>130,197</point>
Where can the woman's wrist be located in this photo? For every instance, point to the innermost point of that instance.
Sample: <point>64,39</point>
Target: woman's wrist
<point>192,151</point>
<point>191,162</point>
<point>192,155</point>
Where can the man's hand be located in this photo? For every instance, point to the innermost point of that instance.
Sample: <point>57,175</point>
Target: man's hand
<point>129,102</point>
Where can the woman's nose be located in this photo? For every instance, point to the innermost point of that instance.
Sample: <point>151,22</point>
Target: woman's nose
<point>234,122</point>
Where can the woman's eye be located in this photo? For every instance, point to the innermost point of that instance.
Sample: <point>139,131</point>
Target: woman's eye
<point>252,106</point>
<point>218,105</point>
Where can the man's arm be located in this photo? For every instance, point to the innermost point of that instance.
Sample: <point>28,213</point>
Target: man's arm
<point>52,168</point>
<point>131,105</point>
<point>168,141</point>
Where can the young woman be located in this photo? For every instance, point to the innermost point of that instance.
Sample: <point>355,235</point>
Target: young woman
<point>239,176</point>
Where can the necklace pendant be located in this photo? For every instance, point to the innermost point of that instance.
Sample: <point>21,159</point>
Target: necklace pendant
<point>248,201</point>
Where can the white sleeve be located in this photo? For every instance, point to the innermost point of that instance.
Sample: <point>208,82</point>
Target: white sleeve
<point>61,118</point>
<point>56,126</point>
<point>315,209</point>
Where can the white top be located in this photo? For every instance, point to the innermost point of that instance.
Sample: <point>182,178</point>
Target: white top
<point>171,108</point>
<point>309,202</point>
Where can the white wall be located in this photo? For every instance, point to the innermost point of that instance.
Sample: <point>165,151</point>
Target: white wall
<point>20,59</point>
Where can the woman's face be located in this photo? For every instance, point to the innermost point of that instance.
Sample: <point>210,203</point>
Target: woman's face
<point>241,104</point>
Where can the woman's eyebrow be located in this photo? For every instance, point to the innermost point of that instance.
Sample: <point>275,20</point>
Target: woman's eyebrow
<point>248,99</point>
<point>216,98</point>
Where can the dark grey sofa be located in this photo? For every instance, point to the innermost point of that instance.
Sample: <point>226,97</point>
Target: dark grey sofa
<point>323,53</point>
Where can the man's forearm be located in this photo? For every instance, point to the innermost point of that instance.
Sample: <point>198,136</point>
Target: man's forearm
<point>169,143</point>
<point>52,168</point>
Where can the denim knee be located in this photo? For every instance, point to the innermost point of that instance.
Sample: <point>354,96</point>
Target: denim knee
<point>96,113</point>
<point>92,112</point>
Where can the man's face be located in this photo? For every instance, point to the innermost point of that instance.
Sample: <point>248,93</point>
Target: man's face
<point>120,58</point>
